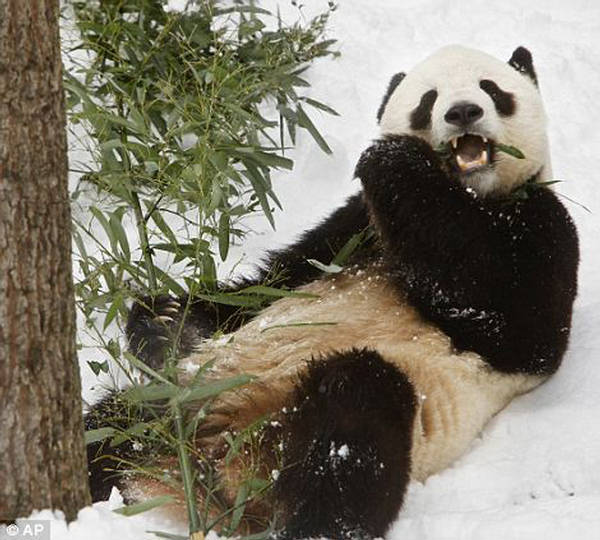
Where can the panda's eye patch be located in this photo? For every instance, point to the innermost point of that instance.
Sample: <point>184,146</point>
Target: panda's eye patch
<point>503,101</point>
<point>420,117</point>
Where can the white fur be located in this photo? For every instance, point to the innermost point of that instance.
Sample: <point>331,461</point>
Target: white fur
<point>455,72</point>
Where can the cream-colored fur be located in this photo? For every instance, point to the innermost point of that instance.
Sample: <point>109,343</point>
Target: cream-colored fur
<point>455,72</point>
<point>458,393</point>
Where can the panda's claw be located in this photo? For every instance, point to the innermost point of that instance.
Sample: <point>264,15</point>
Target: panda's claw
<point>164,319</point>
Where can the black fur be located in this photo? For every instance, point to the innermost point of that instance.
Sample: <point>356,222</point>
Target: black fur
<point>522,61</point>
<point>503,101</point>
<point>393,84</point>
<point>499,276</point>
<point>320,243</point>
<point>152,325</point>
<point>420,118</point>
<point>107,461</point>
<point>346,459</point>
<point>155,324</point>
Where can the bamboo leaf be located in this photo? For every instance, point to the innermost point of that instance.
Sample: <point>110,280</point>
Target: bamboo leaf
<point>119,232</point>
<point>153,392</point>
<point>321,106</point>
<point>305,122</point>
<point>350,247</point>
<point>97,435</point>
<point>298,324</point>
<point>250,301</point>
<point>260,189</point>
<point>328,268</point>
<point>266,158</point>
<point>144,506</point>
<point>172,285</point>
<point>113,311</point>
<point>133,432</point>
<point>241,9</point>
<point>223,235</point>
<point>98,367</point>
<point>148,370</point>
<point>104,223</point>
<point>170,536</point>
<point>510,150</point>
<point>274,292</point>
<point>113,144</point>
<point>156,216</point>
<point>239,506</point>
<point>211,389</point>
<point>291,120</point>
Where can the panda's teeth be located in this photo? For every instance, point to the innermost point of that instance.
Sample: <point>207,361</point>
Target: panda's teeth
<point>481,161</point>
<point>454,142</point>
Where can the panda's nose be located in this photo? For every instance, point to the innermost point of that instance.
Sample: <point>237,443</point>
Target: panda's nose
<point>463,114</point>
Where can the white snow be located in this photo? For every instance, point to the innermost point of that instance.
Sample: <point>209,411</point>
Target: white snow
<point>100,522</point>
<point>338,454</point>
<point>343,451</point>
<point>535,471</point>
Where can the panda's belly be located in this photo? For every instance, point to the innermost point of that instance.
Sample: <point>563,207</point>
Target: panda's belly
<point>457,393</point>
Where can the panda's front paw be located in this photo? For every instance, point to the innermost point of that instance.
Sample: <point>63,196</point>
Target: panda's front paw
<point>396,156</point>
<point>151,326</point>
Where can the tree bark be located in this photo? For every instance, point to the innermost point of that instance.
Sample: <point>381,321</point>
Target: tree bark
<point>42,463</point>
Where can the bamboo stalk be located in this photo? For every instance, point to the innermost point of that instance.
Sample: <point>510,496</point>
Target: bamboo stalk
<point>195,526</point>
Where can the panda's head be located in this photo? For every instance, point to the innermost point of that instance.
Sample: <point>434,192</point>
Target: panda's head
<point>466,101</point>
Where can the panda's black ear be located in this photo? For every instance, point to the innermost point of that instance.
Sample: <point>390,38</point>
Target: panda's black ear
<point>396,80</point>
<point>522,61</point>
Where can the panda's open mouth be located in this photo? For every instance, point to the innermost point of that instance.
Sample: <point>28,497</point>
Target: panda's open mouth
<point>471,152</point>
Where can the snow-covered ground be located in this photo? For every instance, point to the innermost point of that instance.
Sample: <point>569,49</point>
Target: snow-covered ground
<point>535,471</point>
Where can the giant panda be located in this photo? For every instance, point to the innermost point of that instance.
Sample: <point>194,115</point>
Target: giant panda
<point>458,299</point>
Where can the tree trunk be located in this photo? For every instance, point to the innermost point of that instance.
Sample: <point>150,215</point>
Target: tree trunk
<point>42,462</point>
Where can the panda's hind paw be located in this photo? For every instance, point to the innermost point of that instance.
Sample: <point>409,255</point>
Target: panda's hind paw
<point>151,326</point>
<point>165,305</point>
<point>163,319</point>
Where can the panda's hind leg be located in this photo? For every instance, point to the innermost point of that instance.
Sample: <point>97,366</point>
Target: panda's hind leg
<point>108,461</point>
<point>347,445</point>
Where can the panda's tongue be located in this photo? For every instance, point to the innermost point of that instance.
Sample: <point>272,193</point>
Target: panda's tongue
<point>470,152</point>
